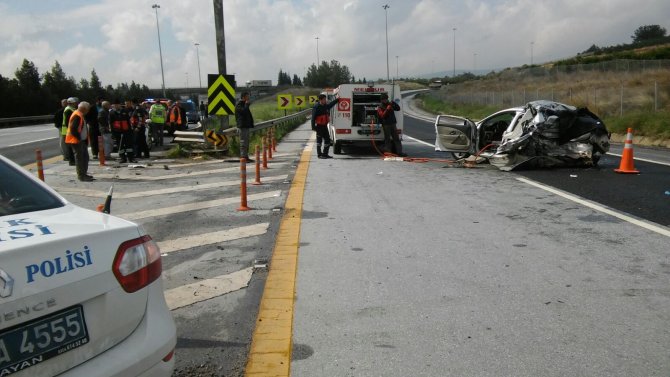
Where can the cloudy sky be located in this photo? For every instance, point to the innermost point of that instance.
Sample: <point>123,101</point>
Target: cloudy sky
<point>118,37</point>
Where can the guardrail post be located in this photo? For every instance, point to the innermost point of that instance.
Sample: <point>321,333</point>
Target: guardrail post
<point>274,139</point>
<point>40,168</point>
<point>258,166</point>
<point>243,185</point>
<point>101,151</point>
<point>268,138</point>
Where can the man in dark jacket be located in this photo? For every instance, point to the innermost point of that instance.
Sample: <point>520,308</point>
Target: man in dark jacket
<point>58,123</point>
<point>245,122</point>
<point>93,128</point>
<point>386,112</point>
<point>320,119</point>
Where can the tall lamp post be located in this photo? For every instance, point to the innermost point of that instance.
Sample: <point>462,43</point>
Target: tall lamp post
<point>396,67</point>
<point>386,7</point>
<point>474,70</point>
<point>454,72</point>
<point>197,54</point>
<point>318,61</point>
<point>160,50</point>
<point>531,52</point>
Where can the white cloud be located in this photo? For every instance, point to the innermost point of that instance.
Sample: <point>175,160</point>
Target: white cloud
<point>118,37</point>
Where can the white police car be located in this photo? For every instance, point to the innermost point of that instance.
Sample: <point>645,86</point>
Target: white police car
<point>80,291</point>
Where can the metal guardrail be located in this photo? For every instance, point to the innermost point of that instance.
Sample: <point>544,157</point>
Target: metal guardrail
<point>198,136</point>
<point>9,122</point>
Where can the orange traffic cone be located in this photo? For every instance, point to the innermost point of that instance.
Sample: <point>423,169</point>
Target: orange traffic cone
<point>626,165</point>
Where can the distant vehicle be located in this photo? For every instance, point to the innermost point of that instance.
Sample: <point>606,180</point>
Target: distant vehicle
<point>192,111</point>
<point>437,84</point>
<point>260,83</point>
<point>80,291</point>
<point>537,135</point>
<point>354,119</point>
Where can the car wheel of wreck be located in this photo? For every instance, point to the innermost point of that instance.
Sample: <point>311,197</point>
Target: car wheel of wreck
<point>460,155</point>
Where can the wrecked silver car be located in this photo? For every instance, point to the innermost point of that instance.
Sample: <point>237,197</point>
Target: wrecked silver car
<point>541,134</point>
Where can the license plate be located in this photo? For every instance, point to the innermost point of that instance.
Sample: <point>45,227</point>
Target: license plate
<point>39,340</point>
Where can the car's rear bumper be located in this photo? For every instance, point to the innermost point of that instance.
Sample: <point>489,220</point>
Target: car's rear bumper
<point>141,353</point>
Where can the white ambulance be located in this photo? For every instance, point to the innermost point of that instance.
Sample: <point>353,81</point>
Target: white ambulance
<point>354,119</point>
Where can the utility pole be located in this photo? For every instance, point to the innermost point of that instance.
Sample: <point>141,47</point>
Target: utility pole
<point>454,74</point>
<point>197,53</point>
<point>160,50</point>
<point>220,46</point>
<point>220,36</point>
<point>531,52</point>
<point>318,61</point>
<point>396,67</point>
<point>386,7</point>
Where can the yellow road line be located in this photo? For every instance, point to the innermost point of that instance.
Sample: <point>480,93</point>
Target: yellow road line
<point>270,353</point>
<point>51,160</point>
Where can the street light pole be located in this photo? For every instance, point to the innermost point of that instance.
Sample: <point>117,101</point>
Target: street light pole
<point>386,7</point>
<point>318,61</point>
<point>531,52</point>
<point>160,50</point>
<point>454,74</point>
<point>197,53</point>
<point>396,67</point>
<point>474,70</point>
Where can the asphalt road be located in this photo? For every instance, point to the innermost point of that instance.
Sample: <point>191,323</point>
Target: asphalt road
<point>428,269</point>
<point>642,195</point>
<point>407,268</point>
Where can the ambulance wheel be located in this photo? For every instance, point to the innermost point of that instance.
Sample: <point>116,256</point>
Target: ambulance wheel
<point>337,148</point>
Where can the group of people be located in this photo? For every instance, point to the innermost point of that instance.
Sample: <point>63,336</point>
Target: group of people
<point>385,112</point>
<point>128,127</point>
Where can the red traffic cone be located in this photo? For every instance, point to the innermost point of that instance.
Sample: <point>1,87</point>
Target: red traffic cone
<point>626,166</point>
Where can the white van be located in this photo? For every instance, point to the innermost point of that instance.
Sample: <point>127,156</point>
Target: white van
<point>354,120</point>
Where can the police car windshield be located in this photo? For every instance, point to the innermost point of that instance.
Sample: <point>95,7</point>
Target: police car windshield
<point>19,194</point>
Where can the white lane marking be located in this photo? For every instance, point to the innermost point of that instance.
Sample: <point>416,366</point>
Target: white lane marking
<point>170,190</point>
<point>195,206</point>
<point>196,240</point>
<point>419,141</point>
<point>33,141</point>
<point>163,177</point>
<point>654,228</point>
<point>642,159</point>
<point>206,289</point>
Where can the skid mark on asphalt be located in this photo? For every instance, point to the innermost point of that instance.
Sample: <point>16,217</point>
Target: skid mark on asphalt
<point>206,289</point>
<point>210,238</point>
<point>196,206</point>
<point>169,190</point>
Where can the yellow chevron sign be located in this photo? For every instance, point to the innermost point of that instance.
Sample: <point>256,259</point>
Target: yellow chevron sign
<point>215,138</point>
<point>313,99</point>
<point>284,101</point>
<point>299,102</point>
<point>221,95</point>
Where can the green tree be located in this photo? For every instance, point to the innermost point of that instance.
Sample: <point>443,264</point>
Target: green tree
<point>58,84</point>
<point>296,81</point>
<point>32,98</point>
<point>283,78</point>
<point>28,76</point>
<point>648,32</point>
<point>327,75</point>
<point>96,85</point>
